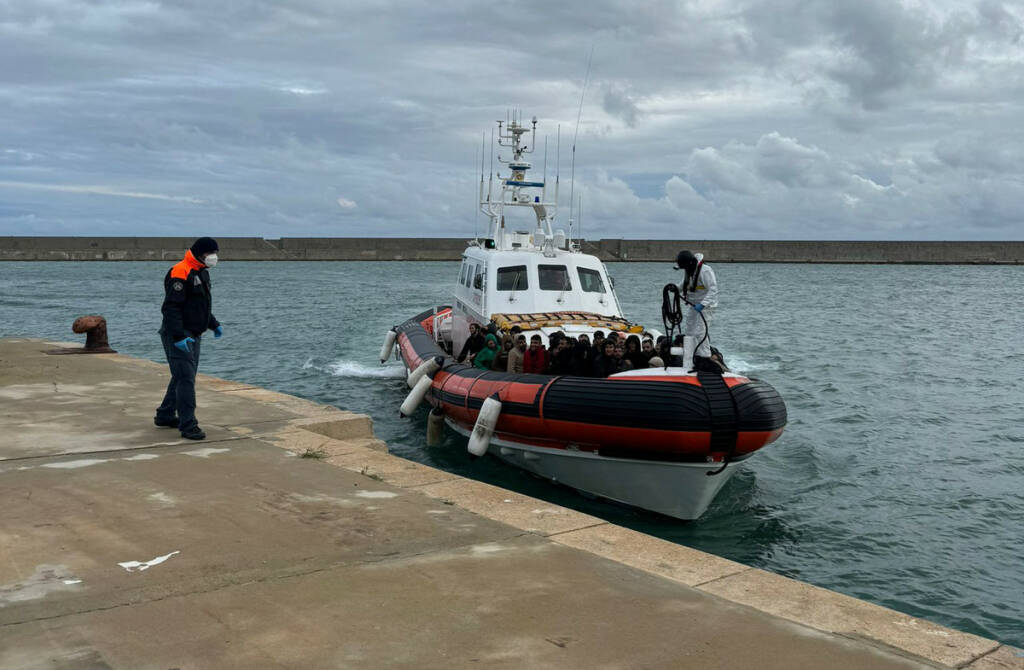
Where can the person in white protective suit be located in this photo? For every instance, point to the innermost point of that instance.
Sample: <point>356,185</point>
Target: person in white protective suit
<point>699,289</point>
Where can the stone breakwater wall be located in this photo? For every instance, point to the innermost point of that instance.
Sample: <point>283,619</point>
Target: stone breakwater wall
<point>448,249</point>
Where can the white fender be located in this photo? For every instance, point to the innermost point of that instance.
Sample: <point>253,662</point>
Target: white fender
<point>480,438</point>
<point>689,346</point>
<point>426,368</point>
<point>389,346</point>
<point>435,427</point>
<point>415,397</point>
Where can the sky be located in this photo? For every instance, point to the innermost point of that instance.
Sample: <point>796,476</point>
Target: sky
<point>712,119</point>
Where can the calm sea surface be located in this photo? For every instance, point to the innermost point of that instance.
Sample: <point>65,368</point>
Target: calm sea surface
<point>900,478</point>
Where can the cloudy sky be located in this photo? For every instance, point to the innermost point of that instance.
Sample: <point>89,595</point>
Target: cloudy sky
<point>730,119</point>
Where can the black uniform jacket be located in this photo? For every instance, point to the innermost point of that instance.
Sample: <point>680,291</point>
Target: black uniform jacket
<point>188,305</point>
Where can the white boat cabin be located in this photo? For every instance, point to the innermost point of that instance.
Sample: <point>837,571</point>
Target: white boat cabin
<point>527,282</point>
<point>528,272</point>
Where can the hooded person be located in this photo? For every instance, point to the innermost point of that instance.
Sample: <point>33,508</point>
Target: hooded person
<point>699,289</point>
<point>485,357</point>
<point>582,357</point>
<point>634,353</point>
<point>187,314</point>
<point>515,357</point>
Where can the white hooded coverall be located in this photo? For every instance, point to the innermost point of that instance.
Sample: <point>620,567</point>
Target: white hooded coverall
<point>706,293</point>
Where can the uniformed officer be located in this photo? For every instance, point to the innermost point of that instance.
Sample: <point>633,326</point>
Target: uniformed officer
<point>188,313</point>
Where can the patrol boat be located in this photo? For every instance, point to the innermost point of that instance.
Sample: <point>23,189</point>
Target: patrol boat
<point>663,439</point>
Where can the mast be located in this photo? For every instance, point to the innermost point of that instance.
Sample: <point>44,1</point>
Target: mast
<point>518,190</point>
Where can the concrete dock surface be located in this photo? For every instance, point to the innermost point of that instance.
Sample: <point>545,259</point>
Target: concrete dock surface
<point>290,538</point>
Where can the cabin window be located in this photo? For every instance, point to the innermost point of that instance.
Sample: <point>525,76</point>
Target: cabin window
<point>512,278</point>
<point>590,280</point>
<point>464,273</point>
<point>478,277</point>
<point>554,278</point>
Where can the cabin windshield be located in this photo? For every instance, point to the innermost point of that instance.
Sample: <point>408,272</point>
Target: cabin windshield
<point>590,281</point>
<point>512,278</point>
<point>554,278</point>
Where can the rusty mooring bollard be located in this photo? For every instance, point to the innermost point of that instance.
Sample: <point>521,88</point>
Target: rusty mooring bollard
<point>95,329</point>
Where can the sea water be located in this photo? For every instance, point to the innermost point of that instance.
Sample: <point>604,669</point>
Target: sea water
<point>899,479</point>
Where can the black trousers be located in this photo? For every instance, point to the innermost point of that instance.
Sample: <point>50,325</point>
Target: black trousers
<point>180,398</point>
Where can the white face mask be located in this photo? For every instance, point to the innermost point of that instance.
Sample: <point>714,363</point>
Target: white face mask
<point>210,260</point>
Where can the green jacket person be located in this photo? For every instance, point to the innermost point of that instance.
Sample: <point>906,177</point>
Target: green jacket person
<point>485,357</point>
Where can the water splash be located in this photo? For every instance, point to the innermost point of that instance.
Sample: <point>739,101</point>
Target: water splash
<point>345,368</point>
<point>739,365</point>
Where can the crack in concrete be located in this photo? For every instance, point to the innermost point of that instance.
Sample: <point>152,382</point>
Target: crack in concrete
<point>263,580</point>
<point>977,658</point>
<point>573,530</point>
<point>716,579</point>
<point>874,643</point>
<point>156,445</point>
<point>258,423</point>
<point>411,487</point>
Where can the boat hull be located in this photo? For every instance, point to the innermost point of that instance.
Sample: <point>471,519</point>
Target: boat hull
<point>665,443</point>
<point>679,490</point>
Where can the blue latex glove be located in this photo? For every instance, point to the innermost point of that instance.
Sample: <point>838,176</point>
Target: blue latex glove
<point>183,344</point>
<point>698,307</point>
<point>217,332</point>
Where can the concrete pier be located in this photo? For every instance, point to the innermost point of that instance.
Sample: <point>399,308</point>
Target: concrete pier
<point>450,249</point>
<point>290,538</point>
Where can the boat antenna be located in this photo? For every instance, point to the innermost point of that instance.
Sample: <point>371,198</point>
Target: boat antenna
<point>579,213</point>
<point>558,163</point>
<point>579,116</point>
<point>479,203</point>
<point>544,191</point>
<point>490,179</point>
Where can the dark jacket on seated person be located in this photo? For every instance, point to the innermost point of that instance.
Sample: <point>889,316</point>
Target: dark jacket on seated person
<point>605,366</point>
<point>474,343</point>
<point>561,362</point>
<point>582,360</point>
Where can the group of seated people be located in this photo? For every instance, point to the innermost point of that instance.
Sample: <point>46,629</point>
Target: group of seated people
<point>579,357</point>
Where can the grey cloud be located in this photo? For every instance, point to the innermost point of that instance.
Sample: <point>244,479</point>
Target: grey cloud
<point>785,160</point>
<point>713,170</point>
<point>886,46</point>
<point>974,151</point>
<point>619,103</point>
<point>783,119</point>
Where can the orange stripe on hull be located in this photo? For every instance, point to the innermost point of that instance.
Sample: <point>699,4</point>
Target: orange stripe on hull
<point>452,392</point>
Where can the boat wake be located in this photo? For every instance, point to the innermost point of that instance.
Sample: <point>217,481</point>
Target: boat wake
<point>739,365</point>
<point>344,368</point>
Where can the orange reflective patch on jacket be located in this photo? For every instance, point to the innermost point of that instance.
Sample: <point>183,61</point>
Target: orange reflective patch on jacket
<point>181,270</point>
<point>187,264</point>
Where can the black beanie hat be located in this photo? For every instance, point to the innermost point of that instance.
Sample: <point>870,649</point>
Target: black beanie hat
<point>203,246</point>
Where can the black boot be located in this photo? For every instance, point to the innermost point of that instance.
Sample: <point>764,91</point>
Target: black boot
<point>193,433</point>
<point>163,422</point>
